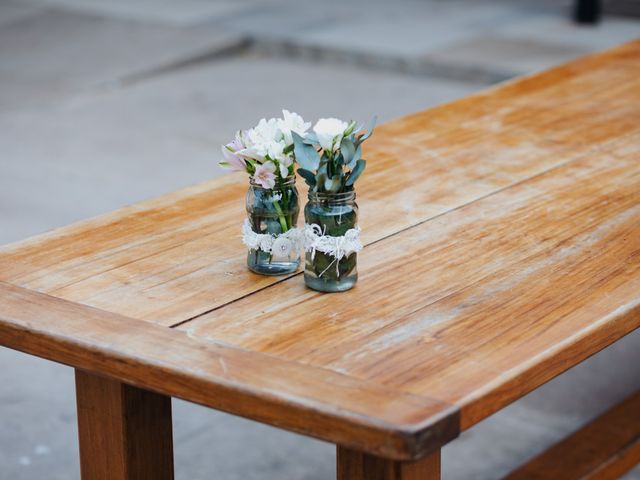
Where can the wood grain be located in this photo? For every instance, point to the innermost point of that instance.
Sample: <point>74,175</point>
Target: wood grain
<point>125,433</point>
<point>479,306</point>
<point>355,465</point>
<point>505,250</point>
<point>178,256</point>
<point>308,400</point>
<point>605,449</point>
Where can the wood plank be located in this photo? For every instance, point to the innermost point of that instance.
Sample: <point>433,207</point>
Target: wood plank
<point>355,465</point>
<point>312,401</point>
<point>517,257</point>
<point>606,448</point>
<point>125,433</point>
<point>172,258</point>
<point>479,306</point>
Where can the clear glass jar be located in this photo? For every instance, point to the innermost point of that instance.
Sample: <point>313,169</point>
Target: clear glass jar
<point>273,211</point>
<point>335,214</point>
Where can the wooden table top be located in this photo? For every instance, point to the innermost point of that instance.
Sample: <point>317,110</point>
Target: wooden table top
<point>502,237</point>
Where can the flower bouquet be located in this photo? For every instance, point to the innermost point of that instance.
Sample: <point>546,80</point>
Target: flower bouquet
<point>265,152</point>
<point>330,162</point>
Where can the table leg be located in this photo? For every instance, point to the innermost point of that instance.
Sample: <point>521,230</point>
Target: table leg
<point>354,465</point>
<point>125,432</point>
<point>587,11</point>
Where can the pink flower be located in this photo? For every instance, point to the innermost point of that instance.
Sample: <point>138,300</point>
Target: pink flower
<point>265,175</point>
<point>232,160</point>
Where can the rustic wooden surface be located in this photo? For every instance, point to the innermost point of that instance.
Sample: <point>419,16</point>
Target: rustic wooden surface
<point>125,433</point>
<point>477,307</point>
<point>355,465</point>
<point>305,399</point>
<point>502,239</point>
<point>178,256</point>
<point>604,449</point>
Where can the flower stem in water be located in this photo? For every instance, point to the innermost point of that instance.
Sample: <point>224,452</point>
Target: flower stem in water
<point>281,218</point>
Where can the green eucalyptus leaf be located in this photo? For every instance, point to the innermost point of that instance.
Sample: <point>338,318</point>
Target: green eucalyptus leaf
<point>308,176</point>
<point>310,138</point>
<point>370,131</point>
<point>356,172</point>
<point>306,155</point>
<point>320,179</point>
<point>331,170</point>
<point>347,149</point>
<point>356,156</point>
<point>333,184</point>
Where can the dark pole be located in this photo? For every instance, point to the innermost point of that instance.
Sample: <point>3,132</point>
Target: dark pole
<point>587,11</point>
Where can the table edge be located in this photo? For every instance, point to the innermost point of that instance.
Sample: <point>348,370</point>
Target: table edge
<point>162,359</point>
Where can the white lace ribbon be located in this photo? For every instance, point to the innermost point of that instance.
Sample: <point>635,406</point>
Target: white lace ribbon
<point>280,245</point>
<point>311,238</point>
<point>338,247</point>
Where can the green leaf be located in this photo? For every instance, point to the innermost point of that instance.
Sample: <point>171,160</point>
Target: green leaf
<point>347,148</point>
<point>306,155</point>
<point>351,128</point>
<point>310,138</point>
<point>356,172</point>
<point>320,179</point>
<point>370,131</point>
<point>333,184</point>
<point>330,168</point>
<point>308,176</point>
<point>288,149</point>
<point>356,156</point>
<point>251,165</point>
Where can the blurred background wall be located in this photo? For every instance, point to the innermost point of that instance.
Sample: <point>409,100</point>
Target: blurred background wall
<point>107,102</point>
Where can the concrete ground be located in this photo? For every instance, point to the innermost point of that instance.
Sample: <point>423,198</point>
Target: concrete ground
<point>107,102</point>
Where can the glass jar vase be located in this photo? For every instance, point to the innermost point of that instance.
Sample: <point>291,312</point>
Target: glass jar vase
<point>272,216</point>
<point>331,256</point>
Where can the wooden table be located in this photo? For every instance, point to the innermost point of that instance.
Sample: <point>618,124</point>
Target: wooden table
<point>502,237</point>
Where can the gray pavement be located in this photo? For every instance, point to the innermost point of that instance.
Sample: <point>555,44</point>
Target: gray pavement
<point>104,103</point>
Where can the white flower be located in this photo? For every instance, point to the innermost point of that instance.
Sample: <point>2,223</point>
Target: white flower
<point>292,122</point>
<point>262,140</point>
<point>329,132</point>
<point>285,162</point>
<point>265,132</point>
<point>274,150</point>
